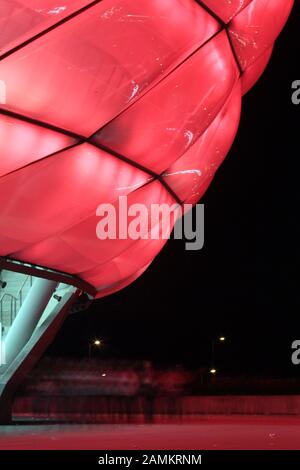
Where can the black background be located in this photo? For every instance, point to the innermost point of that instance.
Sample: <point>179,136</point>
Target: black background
<point>244,283</point>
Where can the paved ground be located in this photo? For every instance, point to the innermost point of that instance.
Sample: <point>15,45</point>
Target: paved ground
<point>211,432</point>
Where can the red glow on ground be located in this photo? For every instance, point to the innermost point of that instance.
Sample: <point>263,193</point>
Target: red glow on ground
<point>209,433</point>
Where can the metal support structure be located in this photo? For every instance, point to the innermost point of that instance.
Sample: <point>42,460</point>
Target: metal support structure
<point>42,272</point>
<point>28,317</point>
<point>42,335</point>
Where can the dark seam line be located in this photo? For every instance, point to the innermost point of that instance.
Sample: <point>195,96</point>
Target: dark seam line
<point>226,27</point>
<point>170,190</point>
<point>211,13</point>
<point>158,177</point>
<point>216,17</point>
<point>146,183</point>
<point>48,30</point>
<point>158,83</point>
<point>42,124</point>
<point>151,173</point>
<point>81,140</point>
<point>154,175</point>
<point>241,71</point>
<point>64,149</point>
<point>123,158</point>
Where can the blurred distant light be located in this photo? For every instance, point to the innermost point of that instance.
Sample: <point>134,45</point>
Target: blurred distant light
<point>97,342</point>
<point>222,338</point>
<point>213,371</point>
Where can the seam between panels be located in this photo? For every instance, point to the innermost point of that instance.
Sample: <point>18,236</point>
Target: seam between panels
<point>68,227</point>
<point>159,177</point>
<point>240,68</point>
<point>211,13</point>
<point>45,157</point>
<point>225,26</point>
<point>49,29</point>
<point>43,124</point>
<point>82,10</point>
<point>81,140</point>
<point>227,100</point>
<point>150,89</point>
<point>59,236</point>
<point>153,174</point>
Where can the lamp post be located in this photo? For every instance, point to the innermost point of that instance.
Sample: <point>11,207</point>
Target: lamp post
<point>221,339</point>
<point>95,343</point>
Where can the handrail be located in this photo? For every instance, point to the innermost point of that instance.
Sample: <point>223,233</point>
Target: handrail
<point>15,300</point>
<point>20,292</point>
<point>13,307</point>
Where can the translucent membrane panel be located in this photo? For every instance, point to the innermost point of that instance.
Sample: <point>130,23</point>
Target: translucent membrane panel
<point>132,255</point>
<point>85,237</point>
<point>194,198</point>
<point>54,253</point>
<point>126,264</point>
<point>22,143</point>
<point>21,20</point>
<point>253,73</point>
<point>164,123</point>
<point>79,248</point>
<point>255,29</point>
<point>50,196</point>
<point>82,74</point>
<point>225,9</point>
<point>124,282</point>
<point>189,175</point>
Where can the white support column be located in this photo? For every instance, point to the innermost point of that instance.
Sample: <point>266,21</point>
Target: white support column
<point>27,318</point>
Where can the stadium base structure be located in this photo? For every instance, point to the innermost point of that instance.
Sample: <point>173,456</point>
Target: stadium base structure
<point>32,311</point>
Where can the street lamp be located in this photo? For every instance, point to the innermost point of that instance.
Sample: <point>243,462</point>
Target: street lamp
<point>95,343</point>
<point>213,371</point>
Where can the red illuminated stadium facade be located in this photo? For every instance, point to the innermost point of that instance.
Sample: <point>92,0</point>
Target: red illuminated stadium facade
<point>109,98</point>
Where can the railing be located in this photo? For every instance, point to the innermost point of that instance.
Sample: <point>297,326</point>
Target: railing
<point>12,310</point>
<point>21,290</point>
<point>10,304</point>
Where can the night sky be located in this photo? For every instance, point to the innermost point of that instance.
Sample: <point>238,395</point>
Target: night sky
<point>244,283</point>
